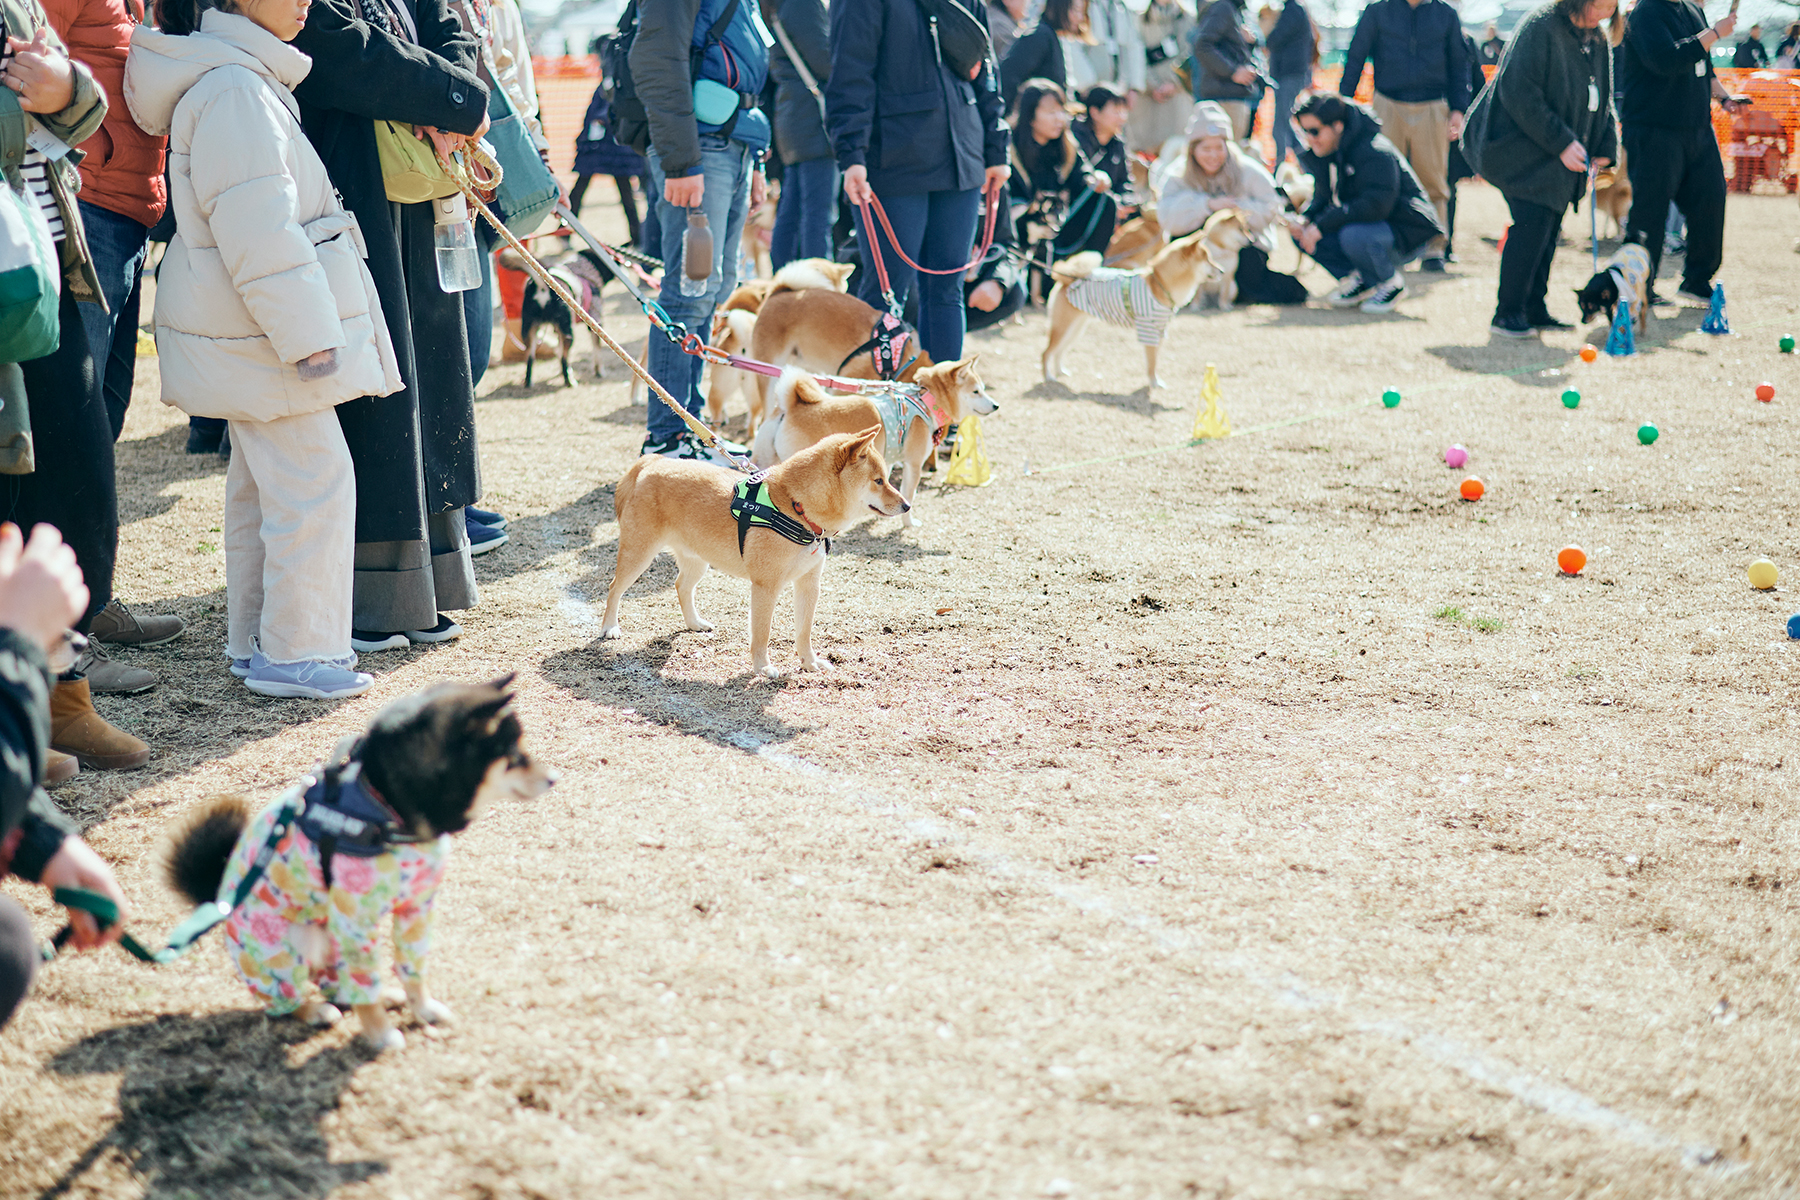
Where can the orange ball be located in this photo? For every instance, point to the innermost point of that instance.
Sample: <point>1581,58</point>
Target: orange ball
<point>1472,488</point>
<point>1589,354</point>
<point>1570,560</point>
<point>1765,392</point>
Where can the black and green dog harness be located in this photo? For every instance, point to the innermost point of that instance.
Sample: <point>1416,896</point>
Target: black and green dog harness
<point>751,505</point>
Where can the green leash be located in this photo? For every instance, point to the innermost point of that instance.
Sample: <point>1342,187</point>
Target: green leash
<point>199,923</point>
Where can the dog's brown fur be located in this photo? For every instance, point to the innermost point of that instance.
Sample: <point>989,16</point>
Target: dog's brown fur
<point>1225,234</point>
<point>1136,242</point>
<point>815,329</point>
<point>685,506</point>
<point>1612,195</point>
<point>803,413</point>
<point>732,330</point>
<point>1176,271</point>
<point>804,273</point>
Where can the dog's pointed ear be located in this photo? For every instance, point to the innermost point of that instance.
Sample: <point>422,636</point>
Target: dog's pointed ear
<point>858,445</point>
<point>504,682</point>
<point>966,365</point>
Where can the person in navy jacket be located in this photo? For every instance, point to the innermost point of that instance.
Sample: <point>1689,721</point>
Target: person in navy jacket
<point>909,131</point>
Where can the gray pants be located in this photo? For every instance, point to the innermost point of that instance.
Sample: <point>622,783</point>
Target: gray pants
<point>405,585</point>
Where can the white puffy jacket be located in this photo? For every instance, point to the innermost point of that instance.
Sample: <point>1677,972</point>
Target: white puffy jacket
<point>266,266</point>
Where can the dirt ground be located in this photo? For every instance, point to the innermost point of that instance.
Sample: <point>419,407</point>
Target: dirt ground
<point>1254,819</point>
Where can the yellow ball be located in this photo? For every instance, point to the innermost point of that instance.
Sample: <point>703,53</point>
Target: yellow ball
<point>1763,574</point>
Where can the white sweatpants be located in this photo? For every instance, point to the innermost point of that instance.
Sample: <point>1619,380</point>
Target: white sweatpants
<point>290,538</point>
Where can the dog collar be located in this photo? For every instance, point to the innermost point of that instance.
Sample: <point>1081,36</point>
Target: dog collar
<point>752,505</point>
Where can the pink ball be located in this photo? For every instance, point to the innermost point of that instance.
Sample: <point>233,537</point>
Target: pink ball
<point>1455,457</point>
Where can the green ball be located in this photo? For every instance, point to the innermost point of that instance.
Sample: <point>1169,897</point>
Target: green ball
<point>1391,398</point>
<point>1571,398</point>
<point>1787,345</point>
<point>1648,433</point>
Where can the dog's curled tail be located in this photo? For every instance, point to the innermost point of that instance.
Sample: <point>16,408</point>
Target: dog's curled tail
<point>1077,266</point>
<point>796,386</point>
<point>199,844</point>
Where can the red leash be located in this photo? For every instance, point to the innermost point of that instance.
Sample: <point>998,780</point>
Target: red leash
<point>991,197</point>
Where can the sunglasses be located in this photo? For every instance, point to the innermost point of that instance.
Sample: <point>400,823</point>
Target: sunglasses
<point>1309,131</point>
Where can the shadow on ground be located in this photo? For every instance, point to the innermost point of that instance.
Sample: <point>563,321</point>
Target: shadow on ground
<point>211,1106</point>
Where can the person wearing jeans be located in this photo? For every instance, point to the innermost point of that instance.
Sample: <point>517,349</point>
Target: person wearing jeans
<point>1368,214</point>
<point>1533,134</point>
<point>689,57</point>
<point>925,141</point>
<point>1293,47</point>
<point>728,171</point>
<point>809,179</point>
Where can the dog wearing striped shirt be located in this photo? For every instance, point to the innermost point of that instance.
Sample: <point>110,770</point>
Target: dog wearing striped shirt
<point>1145,300</point>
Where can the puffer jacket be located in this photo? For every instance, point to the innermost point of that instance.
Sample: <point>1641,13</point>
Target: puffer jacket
<point>123,170</point>
<point>266,266</point>
<point>1365,180</point>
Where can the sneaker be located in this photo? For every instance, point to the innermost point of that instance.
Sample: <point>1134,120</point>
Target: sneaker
<point>1350,291</point>
<point>1543,320</point>
<point>75,728</point>
<point>1434,265</point>
<point>304,680</point>
<point>111,678</point>
<point>240,667</point>
<point>484,517</point>
<point>367,641</point>
<point>444,631</point>
<point>1450,255</point>
<point>686,446</point>
<point>1674,245</point>
<point>1685,295</point>
<point>116,624</point>
<point>1385,296</point>
<point>483,538</point>
<point>1512,325</point>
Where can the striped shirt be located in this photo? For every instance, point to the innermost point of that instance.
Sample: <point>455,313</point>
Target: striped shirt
<point>1121,297</point>
<point>36,169</point>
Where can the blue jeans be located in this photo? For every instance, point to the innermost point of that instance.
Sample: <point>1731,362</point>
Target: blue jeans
<point>478,306</point>
<point>117,244</point>
<point>1366,248</point>
<point>937,230</point>
<point>806,213</point>
<point>726,165</point>
<point>1286,90</point>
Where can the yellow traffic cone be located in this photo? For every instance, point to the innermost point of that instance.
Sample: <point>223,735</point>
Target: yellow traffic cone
<point>969,464</point>
<point>1210,420</point>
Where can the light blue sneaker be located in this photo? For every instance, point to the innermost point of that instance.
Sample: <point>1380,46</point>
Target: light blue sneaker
<point>240,667</point>
<point>305,680</point>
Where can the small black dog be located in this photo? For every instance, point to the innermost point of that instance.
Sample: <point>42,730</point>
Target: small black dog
<point>1626,275</point>
<point>583,274</point>
<point>369,849</point>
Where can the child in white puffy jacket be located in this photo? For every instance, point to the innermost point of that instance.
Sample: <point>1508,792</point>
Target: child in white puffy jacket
<point>266,316</point>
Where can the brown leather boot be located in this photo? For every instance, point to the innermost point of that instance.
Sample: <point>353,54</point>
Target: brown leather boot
<point>75,728</point>
<point>59,768</point>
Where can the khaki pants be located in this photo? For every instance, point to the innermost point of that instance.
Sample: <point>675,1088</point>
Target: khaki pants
<point>290,538</point>
<point>1421,132</point>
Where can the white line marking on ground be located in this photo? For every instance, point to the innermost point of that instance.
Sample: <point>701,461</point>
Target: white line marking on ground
<point>1554,1099</point>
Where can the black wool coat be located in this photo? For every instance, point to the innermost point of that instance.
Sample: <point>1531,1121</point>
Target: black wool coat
<point>414,450</point>
<point>797,116</point>
<point>1553,87</point>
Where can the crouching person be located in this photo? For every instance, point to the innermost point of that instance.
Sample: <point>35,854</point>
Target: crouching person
<point>1368,215</point>
<point>266,316</point>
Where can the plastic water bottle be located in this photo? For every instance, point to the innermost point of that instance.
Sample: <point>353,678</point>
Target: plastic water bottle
<point>696,255</point>
<point>453,235</point>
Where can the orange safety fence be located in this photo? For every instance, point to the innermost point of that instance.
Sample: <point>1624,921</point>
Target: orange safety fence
<point>1761,147</point>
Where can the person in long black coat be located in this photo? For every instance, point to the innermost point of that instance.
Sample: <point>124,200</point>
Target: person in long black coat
<point>416,462</point>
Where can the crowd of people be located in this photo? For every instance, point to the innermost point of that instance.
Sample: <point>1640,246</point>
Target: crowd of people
<point>307,322</point>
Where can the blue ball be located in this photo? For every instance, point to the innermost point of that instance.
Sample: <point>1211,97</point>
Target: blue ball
<point>1794,626</point>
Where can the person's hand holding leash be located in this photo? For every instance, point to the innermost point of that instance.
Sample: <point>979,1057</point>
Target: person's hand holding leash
<point>76,865</point>
<point>856,185</point>
<point>1575,157</point>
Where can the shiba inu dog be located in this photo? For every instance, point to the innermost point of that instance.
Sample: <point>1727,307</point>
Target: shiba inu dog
<point>1146,299</point>
<point>772,528</point>
<point>361,843</point>
<point>1225,233</point>
<point>802,413</point>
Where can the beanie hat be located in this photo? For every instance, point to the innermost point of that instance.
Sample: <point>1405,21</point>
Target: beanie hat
<point>1208,120</point>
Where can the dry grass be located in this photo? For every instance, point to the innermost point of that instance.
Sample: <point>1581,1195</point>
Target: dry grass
<point>1260,820</point>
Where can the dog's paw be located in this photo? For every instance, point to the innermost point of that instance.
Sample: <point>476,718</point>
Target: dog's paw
<point>701,625</point>
<point>611,632</point>
<point>433,1012</point>
<point>815,663</point>
<point>768,671</point>
<point>909,519</point>
<point>319,1013</point>
<point>1156,383</point>
<point>388,1039</point>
